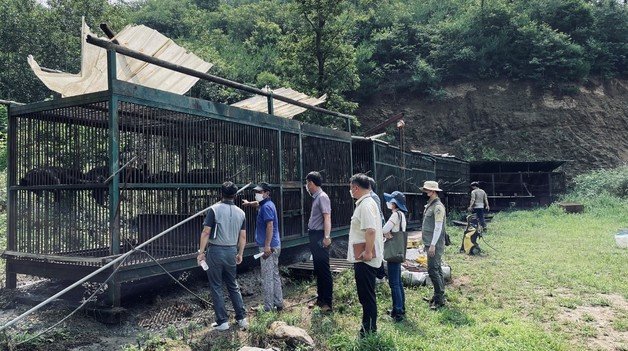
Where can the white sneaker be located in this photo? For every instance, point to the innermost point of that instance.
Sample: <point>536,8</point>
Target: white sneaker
<point>243,323</point>
<point>222,327</point>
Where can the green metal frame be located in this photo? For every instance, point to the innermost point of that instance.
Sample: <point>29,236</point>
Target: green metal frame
<point>119,92</point>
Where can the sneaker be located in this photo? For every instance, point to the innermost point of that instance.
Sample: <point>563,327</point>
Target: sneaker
<point>279,308</point>
<point>243,324</point>
<point>326,308</point>
<point>221,327</point>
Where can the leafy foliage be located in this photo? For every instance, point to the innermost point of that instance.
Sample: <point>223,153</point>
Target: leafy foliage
<point>349,50</point>
<point>610,181</point>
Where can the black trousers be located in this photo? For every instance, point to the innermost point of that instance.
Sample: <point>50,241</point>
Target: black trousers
<point>320,256</point>
<point>365,283</point>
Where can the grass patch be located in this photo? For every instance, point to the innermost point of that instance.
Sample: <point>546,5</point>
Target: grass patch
<point>546,263</point>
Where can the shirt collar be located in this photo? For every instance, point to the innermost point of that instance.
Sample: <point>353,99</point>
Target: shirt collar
<point>228,202</point>
<point>434,200</point>
<point>367,195</point>
<point>318,192</point>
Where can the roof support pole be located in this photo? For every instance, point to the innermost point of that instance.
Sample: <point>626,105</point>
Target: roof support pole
<point>114,184</point>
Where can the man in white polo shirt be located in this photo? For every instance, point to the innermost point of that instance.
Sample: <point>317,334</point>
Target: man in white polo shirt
<point>366,248</point>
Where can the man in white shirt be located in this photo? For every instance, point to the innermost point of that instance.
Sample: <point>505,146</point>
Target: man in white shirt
<point>366,248</point>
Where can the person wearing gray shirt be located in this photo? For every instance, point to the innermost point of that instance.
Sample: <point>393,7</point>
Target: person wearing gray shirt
<point>319,231</point>
<point>224,231</point>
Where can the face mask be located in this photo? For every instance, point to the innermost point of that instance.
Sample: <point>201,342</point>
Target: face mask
<point>259,197</point>
<point>308,190</point>
<point>389,205</point>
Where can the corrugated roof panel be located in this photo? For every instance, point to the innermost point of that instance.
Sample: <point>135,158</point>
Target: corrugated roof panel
<point>93,74</point>
<point>283,109</point>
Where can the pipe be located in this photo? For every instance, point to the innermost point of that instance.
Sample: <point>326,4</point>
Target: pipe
<point>120,258</point>
<point>10,102</point>
<point>209,77</point>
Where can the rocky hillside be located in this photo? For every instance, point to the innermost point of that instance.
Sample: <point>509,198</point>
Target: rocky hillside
<point>515,121</point>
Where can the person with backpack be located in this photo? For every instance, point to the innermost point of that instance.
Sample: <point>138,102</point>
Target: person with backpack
<point>396,226</point>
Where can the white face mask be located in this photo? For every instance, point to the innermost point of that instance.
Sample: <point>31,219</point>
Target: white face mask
<point>259,197</point>
<point>389,205</point>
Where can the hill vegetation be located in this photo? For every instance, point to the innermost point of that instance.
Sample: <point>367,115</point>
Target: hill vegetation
<point>347,49</point>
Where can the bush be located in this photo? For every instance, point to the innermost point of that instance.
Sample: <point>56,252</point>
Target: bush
<point>613,182</point>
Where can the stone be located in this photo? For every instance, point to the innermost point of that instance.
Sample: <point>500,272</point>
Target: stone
<point>281,330</point>
<point>250,348</point>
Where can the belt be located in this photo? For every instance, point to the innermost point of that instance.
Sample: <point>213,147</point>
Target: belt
<point>210,244</point>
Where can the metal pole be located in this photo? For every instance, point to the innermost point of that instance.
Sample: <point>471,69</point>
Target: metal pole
<point>114,165</point>
<point>115,261</point>
<point>215,79</point>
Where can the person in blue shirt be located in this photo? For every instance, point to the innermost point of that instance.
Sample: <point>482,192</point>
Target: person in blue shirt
<point>268,242</point>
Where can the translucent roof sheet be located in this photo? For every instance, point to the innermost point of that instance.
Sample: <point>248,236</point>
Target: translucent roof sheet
<point>93,74</point>
<point>283,109</point>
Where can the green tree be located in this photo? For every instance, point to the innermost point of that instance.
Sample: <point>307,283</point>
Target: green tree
<point>318,56</point>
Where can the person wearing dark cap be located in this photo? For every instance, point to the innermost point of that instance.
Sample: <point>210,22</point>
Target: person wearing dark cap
<point>267,239</point>
<point>432,232</point>
<point>396,225</point>
<point>479,203</point>
<point>319,232</point>
<point>224,231</point>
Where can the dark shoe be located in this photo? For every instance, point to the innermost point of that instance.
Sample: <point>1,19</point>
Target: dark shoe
<point>436,305</point>
<point>279,308</point>
<point>313,304</point>
<point>399,318</point>
<point>430,300</point>
<point>326,308</point>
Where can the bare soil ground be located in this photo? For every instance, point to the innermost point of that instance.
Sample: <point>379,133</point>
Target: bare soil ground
<point>164,311</point>
<point>595,319</point>
<point>492,120</point>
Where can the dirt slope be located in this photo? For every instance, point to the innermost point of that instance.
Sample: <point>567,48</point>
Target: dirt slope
<point>515,121</point>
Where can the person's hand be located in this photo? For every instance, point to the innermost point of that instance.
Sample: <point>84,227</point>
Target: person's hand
<point>388,236</point>
<point>431,251</point>
<point>470,209</point>
<point>326,242</point>
<point>200,257</point>
<point>267,252</point>
<point>488,208</point>
<point>367,256</point>
<point>238,258</point>
<point>246,203</point>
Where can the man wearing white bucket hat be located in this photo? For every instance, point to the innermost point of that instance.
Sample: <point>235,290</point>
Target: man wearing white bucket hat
<point>434,241</point>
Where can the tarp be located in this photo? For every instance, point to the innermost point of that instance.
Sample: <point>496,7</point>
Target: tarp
<point>283,109</point>
<point>93,74</point>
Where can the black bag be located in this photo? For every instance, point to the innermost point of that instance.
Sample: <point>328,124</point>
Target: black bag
<point>395,248</point>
